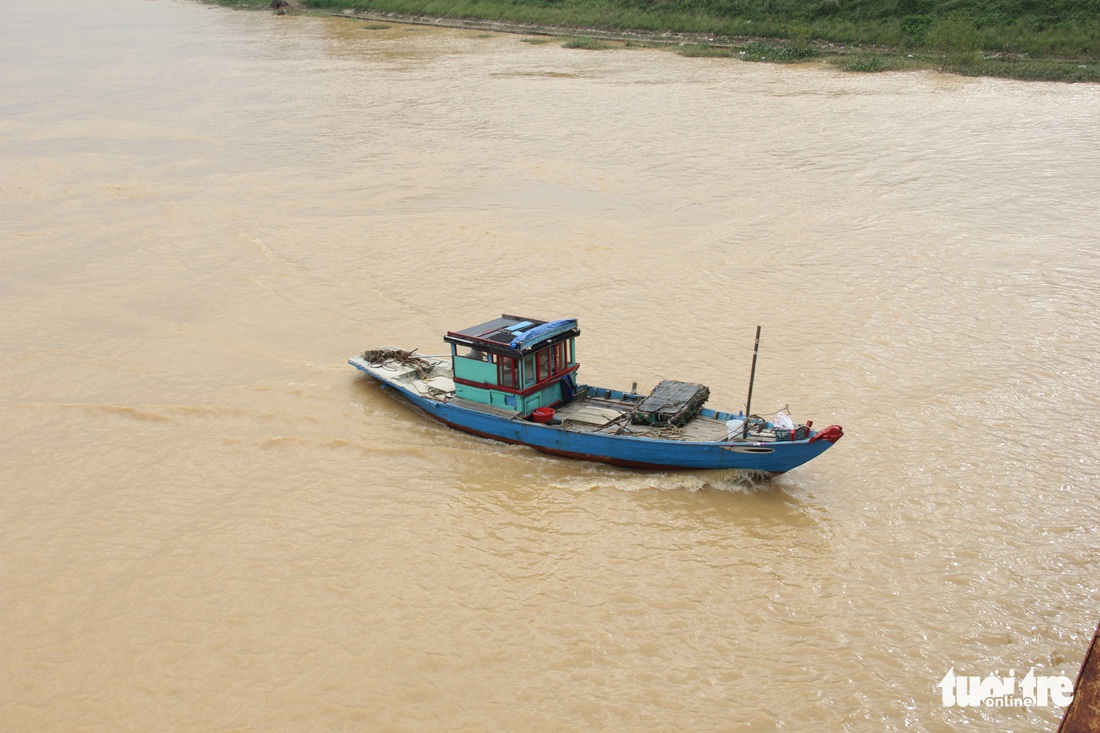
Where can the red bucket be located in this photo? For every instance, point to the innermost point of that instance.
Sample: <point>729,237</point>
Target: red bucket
<point>543,414</point>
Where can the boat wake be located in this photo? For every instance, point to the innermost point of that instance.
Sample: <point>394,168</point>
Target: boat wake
<point>735,482</point>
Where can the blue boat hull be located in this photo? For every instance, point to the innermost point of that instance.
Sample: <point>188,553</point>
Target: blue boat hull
<point>619,450</point>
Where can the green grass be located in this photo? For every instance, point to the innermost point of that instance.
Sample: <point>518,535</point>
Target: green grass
<point>698,51</point>
<point>777,52</point>
<point>1033,70</point>
<point>873,63</point>
<point>586,43</point>
<point>1022,39</point>
<point>1062,27</point>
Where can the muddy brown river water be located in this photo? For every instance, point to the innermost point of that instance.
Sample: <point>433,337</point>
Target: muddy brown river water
<point>209,522</point>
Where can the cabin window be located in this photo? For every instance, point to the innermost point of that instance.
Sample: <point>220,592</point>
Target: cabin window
<point>542,359</point>
<point>528,370</point>
<point>561,357</point>
<point>506,371</point>
<point>477,355</point>
<point>522,373</point>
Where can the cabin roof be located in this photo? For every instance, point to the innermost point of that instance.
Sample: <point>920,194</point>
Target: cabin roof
<point>499,330</point>
<point>498,334</point>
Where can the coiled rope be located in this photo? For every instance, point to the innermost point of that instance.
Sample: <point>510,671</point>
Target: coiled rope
<point>422,368</point>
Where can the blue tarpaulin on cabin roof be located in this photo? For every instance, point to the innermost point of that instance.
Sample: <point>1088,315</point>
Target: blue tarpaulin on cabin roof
<point>544,331</point>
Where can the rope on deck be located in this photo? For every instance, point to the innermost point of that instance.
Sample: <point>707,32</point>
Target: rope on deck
<point>385,357</point>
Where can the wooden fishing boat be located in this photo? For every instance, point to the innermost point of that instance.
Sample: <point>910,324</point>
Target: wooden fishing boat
<point>514,379</point>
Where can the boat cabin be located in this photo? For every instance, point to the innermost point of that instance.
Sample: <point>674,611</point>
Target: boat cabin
<point>516,364</point>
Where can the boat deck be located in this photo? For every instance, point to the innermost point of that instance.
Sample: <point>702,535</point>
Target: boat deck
<point>603,415</point>
<point>593,409</point>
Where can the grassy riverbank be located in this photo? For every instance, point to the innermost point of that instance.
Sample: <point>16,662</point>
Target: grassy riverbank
<point>1057,40</point>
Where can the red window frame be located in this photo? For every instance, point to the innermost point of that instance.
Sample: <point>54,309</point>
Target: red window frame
<point>560,352</point>
<point>508,372</point>
<point>542,365</point>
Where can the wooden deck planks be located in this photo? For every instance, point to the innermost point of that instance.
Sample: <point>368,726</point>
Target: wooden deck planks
<point>602,415</point>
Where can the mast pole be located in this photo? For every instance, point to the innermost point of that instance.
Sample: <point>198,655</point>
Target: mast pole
<point>752,378</point>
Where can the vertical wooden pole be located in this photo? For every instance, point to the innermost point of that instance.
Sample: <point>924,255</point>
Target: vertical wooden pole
<point>752,378</point>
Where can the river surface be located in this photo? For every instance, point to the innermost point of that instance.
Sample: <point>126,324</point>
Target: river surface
<point>209,522</point>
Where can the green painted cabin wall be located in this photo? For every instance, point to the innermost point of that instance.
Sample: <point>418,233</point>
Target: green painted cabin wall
<point>496,398</point>
<point>475,370</point>
<point>474,394</point>
<point>543,398</point>
<point>500,399</point>
<point>493,397</point>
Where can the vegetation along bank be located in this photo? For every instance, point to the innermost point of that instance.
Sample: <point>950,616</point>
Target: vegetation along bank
<point>1053,40</point>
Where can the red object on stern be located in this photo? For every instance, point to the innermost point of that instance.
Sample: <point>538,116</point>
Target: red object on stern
<point>833,433</point>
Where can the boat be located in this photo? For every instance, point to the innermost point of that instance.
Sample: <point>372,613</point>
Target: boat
<point>514,379</point>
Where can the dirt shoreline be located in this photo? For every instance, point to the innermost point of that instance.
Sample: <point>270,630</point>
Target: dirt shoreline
<point>667,38</point>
